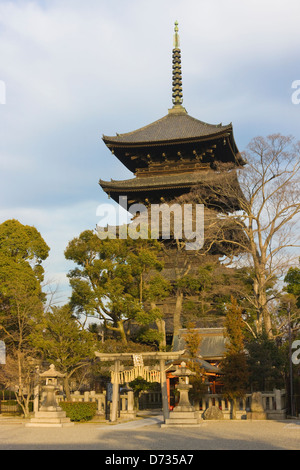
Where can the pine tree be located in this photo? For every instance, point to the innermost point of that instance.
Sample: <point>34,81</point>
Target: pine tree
<point>234,365</point>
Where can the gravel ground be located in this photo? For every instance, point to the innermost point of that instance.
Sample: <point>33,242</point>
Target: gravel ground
<point>147,435</point>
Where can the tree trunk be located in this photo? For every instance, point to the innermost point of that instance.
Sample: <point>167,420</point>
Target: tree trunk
<point>122,332</point>
<point>268,324</point>
<point>119,329</point>
<point>177,315</point>
<point>161,326</point>
<point>19,395</point>
<point>67,388</point>
<point>263,314</point>
<point>233,408</point>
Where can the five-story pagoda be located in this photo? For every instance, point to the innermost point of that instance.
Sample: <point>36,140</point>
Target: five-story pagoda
<point>170,158</point>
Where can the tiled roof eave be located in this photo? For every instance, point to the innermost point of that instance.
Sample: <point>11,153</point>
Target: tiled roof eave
<point>162,182</point>
<point>132,189</point>
<point>111,142</point>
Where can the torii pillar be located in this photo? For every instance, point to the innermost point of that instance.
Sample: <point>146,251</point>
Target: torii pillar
<point>117,358</point>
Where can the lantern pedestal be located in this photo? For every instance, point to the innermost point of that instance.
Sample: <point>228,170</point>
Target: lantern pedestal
<point>49,419</point>
<point>50,415</point>
<point>184,414</point>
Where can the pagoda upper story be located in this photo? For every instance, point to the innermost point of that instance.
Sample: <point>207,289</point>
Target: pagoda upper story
<point>173,154</point>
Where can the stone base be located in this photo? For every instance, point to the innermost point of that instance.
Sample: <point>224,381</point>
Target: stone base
<point>49,419</point>
<point>276,415</point>
<point>182,419</point>
<point>128,414</point>
<point>260,415</point>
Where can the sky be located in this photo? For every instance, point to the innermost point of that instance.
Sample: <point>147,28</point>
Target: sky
<point>71,71</point>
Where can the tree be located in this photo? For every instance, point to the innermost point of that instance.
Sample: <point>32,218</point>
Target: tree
<point>266,364</point>
<point>143,258</point>
<point>269,199</point>
<point>193,340</point>
<point>17,322</point>
<point>64,342</point>
<point>199,286</point>
<point>292,280</point>
<point>234,365</point>
<point>22,250</point>
<point>23,245</point>
<point>290,304</point>
<point>100,281</point>
<point>109,279</point>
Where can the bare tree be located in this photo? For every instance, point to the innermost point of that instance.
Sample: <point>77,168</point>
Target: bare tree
<point>16,326</point>
<point>268,197</point>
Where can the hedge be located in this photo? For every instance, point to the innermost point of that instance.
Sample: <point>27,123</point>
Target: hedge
<point>79,410</point>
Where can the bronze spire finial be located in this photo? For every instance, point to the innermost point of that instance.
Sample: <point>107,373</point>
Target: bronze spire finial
<point>176,36</point>
<point>177,78</point>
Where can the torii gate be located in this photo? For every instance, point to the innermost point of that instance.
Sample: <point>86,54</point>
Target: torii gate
<point>117,358</point>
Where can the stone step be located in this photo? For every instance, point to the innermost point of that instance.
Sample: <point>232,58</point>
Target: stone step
<point>182,414</point>
<point>181,421</point>
<point>50,420</point>
<point>49,425</point>
<point>50,414</point>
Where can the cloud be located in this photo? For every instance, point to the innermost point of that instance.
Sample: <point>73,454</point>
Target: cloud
<point>58,226</point>
<point>75,70</point>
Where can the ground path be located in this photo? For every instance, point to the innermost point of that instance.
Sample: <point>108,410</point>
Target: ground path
<point>145,434</point>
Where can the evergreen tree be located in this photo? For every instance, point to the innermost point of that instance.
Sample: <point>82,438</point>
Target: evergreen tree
<point>110,282</point>
<point>64,342</point>
<point>234,365</point>
<point>22,250</point>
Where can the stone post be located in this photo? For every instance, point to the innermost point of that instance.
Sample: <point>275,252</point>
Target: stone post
<point>130,403</point>
<point>257,407</point>
<point>278,405</point>
<point>164,391</point>
<point>36,392</point>
<point>115,394</point>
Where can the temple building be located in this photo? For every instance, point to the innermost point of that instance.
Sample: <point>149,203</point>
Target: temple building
<point>170,159</point>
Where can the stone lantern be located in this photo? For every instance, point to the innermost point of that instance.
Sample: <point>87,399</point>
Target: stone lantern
<point>183,414</point>
<point>49,402</point>
<point>183,386</point>
<point>50,414</point>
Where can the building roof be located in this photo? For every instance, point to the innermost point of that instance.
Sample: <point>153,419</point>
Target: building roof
<point>212,346</point>
<point>174,127</point>
<point>176,133</point>
<point>153,187</point>
<point>156,182</point>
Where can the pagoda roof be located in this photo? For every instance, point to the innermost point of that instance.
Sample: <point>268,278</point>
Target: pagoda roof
<point>175,133</point>
<point>169,181</point>
<point>157,182</point>
<point>175,127</point>
<point>174,185</point>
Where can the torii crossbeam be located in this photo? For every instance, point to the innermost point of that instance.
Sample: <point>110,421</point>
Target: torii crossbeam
<point>117,358</point>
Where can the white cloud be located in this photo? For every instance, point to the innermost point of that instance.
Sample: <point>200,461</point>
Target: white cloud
<point>58,226</point>
<point>74,70</point>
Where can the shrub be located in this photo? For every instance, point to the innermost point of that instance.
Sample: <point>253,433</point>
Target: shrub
<point>79,410</point>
